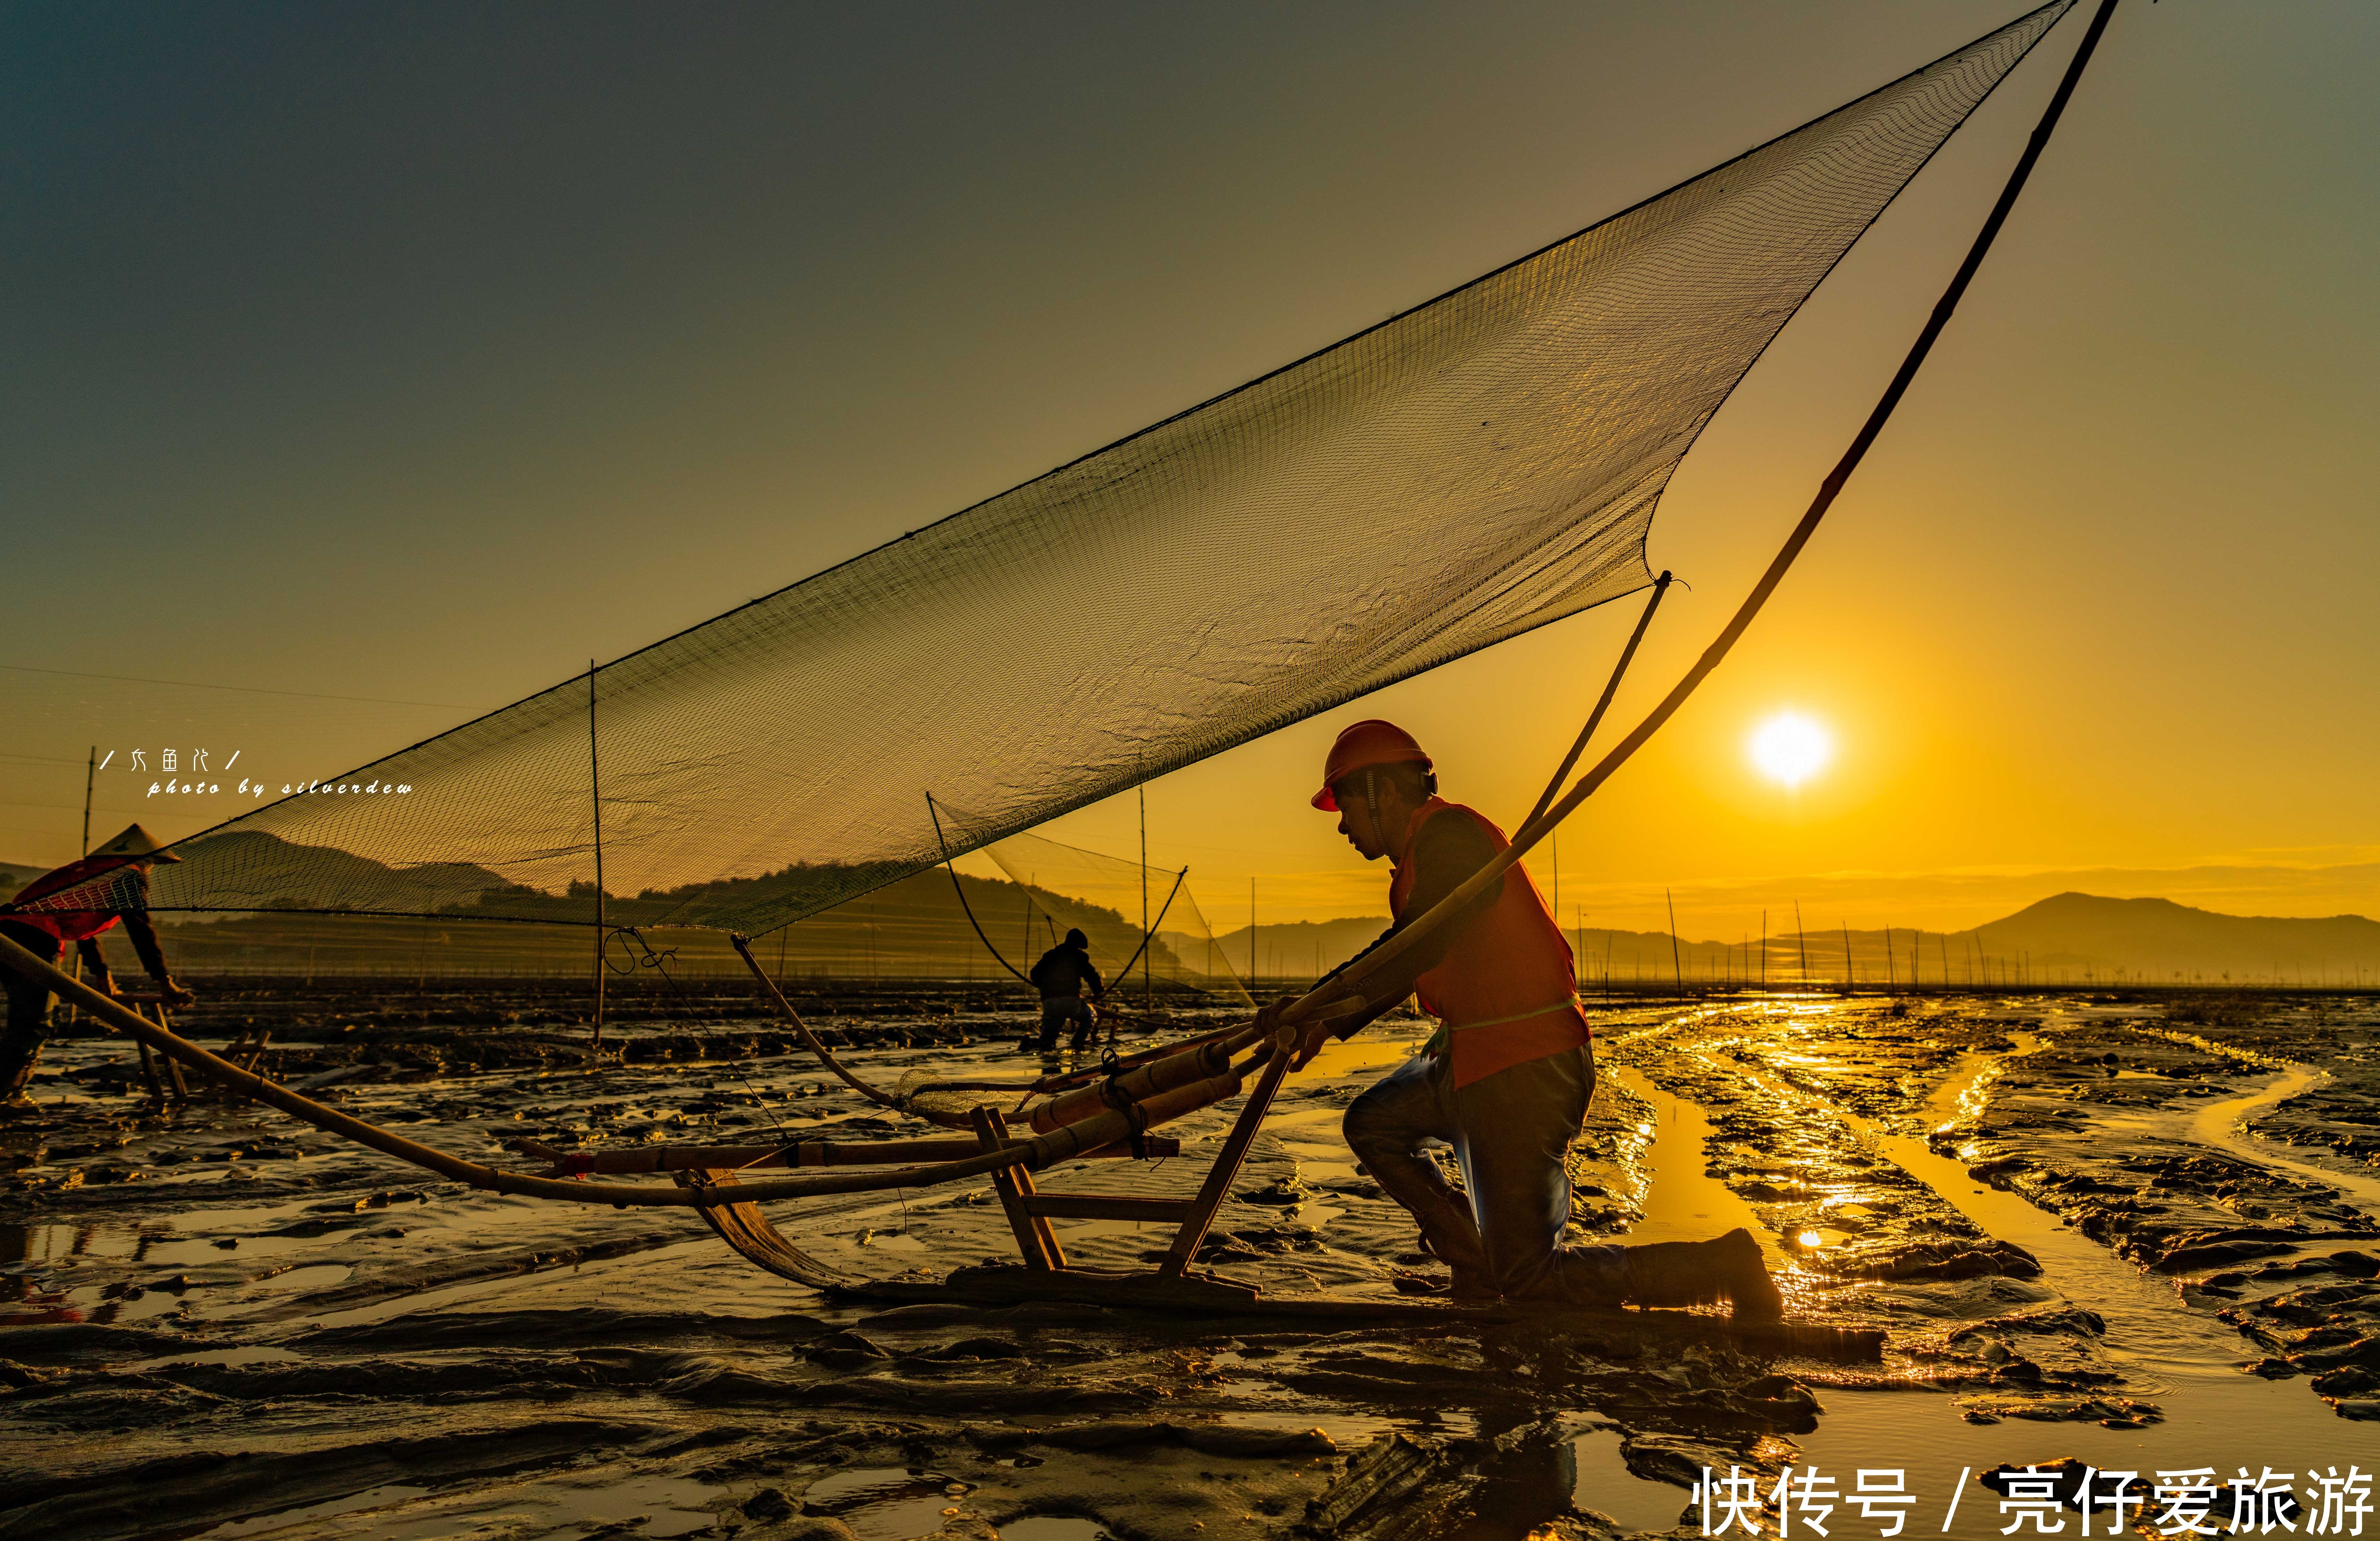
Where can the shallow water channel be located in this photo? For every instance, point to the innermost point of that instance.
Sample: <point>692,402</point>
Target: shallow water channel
<point>2060,1210</point>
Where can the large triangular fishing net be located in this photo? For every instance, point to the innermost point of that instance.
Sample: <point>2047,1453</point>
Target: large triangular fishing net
<point>1478,467</point>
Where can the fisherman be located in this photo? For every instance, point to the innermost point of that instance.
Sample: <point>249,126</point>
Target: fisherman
<point>1508,1075</point>
<point>1060,977</point>
<point>109,885</point>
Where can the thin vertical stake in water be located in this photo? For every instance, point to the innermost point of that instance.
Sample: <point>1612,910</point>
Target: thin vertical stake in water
<point>595,792</point>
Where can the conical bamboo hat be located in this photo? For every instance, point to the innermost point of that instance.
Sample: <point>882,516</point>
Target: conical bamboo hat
<point>135,842</point>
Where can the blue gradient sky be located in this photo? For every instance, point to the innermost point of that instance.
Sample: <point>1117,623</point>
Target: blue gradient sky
<point>423,352</point>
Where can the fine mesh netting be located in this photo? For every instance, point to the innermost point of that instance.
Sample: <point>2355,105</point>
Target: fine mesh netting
<point>1500,451</point>
<point>1109,899</point>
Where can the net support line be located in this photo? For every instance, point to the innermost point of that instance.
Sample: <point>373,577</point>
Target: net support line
<point>1149,930</point>
<point>1539,828</point>
<point>960,888</point>
<point>1603,704</point>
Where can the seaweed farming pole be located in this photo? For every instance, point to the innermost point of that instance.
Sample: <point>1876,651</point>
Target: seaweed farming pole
<point>1526,838</point>
<point>595,793</point>
<point>1677,969</point>
<point>1148,990</point>
<point>89,772</point>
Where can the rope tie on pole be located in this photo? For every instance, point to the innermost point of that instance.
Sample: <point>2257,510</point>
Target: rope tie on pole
<point>1136,1117</point>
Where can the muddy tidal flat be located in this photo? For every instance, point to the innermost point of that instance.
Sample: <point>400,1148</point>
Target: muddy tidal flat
<point>2130,1234</point>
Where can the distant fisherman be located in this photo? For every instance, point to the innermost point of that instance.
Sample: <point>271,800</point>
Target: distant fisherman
<point>1507,1079</point>
<point>109,885</point>
<point>1060,977</point>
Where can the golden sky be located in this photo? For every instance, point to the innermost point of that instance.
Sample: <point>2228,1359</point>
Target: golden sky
<point>362,357</point>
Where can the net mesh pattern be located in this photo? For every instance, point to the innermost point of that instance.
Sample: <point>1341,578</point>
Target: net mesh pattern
<point>1501,448</point>
<point>1112,896</point>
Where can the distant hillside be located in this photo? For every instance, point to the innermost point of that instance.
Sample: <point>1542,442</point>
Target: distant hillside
<point>1301,950</point>
<point>916,927</point>
<point>2074,938</point>
<point>912,929</point>
<point>2157,940</point>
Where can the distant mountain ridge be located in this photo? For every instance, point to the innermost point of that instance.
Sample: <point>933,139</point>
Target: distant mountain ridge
<point>2156,939</point>
<point>2067,939</point>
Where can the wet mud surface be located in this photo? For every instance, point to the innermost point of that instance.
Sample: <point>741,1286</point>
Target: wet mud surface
<point>2142,1234</point>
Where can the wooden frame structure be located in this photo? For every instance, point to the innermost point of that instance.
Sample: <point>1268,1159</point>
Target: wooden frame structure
<point>1030,1211</point>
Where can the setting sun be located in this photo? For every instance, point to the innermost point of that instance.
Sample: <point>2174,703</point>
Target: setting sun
<point>1790,748</point>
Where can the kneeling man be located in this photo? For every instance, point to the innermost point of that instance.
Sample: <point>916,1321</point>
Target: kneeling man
<point>1507,1078</point>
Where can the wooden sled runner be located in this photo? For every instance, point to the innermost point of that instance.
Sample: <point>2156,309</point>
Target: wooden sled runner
<point>1174,1286</point>
<point>1105,1120</point>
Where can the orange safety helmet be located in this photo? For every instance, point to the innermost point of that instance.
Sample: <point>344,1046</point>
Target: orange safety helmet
<point>1368,743</point>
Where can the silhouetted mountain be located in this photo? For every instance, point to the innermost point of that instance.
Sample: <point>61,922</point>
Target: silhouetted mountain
<point>2157,939</point>
<point>2082,939</point>
<point>1303,949</point>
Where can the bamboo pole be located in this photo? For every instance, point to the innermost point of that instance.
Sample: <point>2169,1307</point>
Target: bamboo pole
<point>1677,969</point>
<point>798,1155</point>
<point>1066,1143</point>
<point>595,789</point>
<point>89,774</point>
<point>743,945</point>
<point>1602,702</point>
<point>1147,986</point>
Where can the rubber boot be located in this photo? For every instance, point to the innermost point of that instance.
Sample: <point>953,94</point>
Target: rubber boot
<point>1703,1273</point>
<point>1452,1236</point>
<point>16,1070</point>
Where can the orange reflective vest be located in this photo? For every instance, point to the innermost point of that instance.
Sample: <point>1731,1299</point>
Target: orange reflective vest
<point>1507,989</point>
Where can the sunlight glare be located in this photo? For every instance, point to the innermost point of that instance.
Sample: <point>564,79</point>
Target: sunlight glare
<point>1790,748</point>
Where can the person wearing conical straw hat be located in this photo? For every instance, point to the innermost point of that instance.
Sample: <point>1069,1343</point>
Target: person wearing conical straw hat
<point>1507,1078</point>
<point>75,903</point>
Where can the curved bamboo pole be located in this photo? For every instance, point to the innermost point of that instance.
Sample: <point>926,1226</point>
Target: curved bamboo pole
<point>743,945</point>
<point>968,910</point>
<point>1603,702</point>
<point>1061,1144</point>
